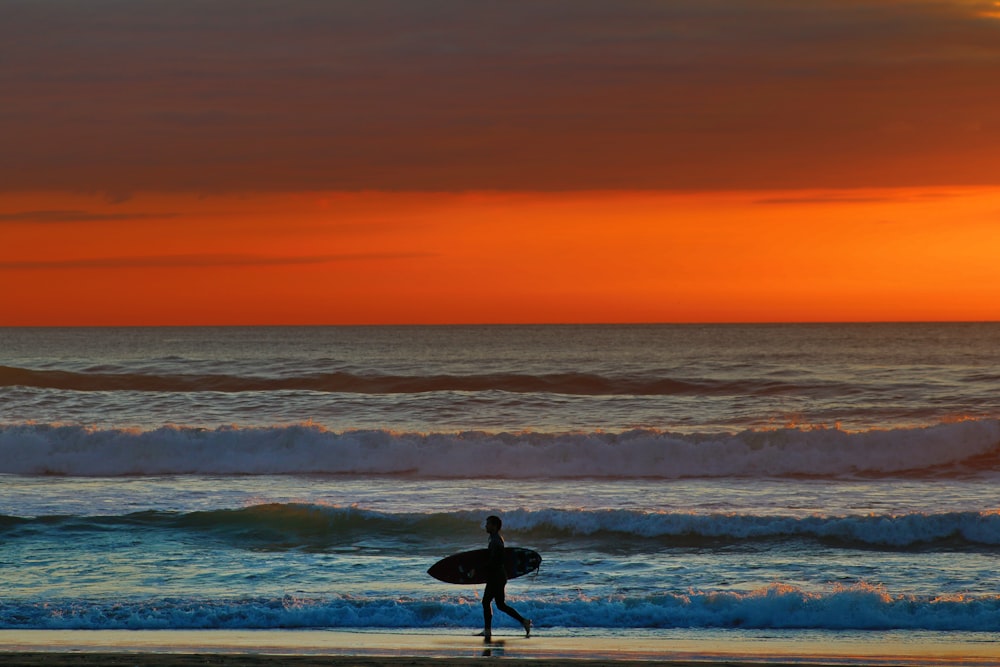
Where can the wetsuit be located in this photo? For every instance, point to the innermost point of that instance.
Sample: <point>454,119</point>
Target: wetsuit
<point>496,582</point>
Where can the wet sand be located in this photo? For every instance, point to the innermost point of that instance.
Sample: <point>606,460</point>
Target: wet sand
<point>161,660</point>
<point>224,660</point>
<point>268,648</point>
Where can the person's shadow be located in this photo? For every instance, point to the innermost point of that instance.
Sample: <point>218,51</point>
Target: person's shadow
<point>494,648</point>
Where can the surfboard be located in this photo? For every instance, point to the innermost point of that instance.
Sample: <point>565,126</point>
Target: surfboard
<point>469,567</point>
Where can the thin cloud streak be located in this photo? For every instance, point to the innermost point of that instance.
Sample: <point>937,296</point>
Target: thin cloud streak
<point>76,216</point>
<point>201,261</point>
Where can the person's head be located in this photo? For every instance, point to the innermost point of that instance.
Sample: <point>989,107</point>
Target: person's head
<point>493,524</point>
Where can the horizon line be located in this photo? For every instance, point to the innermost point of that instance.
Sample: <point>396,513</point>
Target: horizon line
<point>494,324</point>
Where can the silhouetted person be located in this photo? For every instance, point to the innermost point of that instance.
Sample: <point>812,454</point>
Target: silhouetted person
<point>496,582</point>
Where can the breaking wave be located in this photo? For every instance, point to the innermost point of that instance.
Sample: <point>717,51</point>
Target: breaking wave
<point>860,607</point>
<point>322,526</point>
<point>962,448</point>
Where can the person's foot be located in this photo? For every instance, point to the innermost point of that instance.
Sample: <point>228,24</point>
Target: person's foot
<point>487,635</point>
<point>527,627</point>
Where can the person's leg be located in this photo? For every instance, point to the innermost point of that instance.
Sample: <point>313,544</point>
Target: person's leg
<point>488,612</point>
<point>501,600</point>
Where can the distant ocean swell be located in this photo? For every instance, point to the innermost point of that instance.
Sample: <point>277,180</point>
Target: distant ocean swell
<point>860,607</point>
<point>961,448</point>
<point>587,384</point>
<point>324,527</point>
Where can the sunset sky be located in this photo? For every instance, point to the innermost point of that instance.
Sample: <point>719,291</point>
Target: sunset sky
<point>467,161</point>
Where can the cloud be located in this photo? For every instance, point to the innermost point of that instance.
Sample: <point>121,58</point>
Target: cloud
<point>179,95</point>
<point>853,197</point>
<point>824,199</point>
<point>200,261</point>
<point>64,216</point>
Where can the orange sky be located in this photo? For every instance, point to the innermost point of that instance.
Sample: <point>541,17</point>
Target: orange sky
<point>177,162</point>
<point>500,257</point>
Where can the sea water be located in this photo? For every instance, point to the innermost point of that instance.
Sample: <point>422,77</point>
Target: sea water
<point>786,479</point>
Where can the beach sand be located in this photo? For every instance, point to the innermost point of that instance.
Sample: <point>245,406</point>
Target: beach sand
<point>309,648</point>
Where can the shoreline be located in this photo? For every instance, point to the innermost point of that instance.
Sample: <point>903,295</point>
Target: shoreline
<point>243,660</point>
<point>339,648</point>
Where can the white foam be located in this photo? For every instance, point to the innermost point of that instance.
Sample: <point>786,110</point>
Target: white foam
<point>32,449</point>
<point>859,607</point>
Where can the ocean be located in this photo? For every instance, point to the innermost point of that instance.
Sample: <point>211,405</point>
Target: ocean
<point>790,480</point>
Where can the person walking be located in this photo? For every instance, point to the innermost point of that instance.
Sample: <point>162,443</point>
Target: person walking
<point>496,582</point>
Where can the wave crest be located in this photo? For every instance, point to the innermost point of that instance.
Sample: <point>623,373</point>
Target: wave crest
<point>321,526</point>
<point>860,607</point>
<point>583,384</point>
<point>961,448</point>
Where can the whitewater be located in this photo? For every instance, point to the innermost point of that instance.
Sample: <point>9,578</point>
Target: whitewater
<point>773,478</point>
